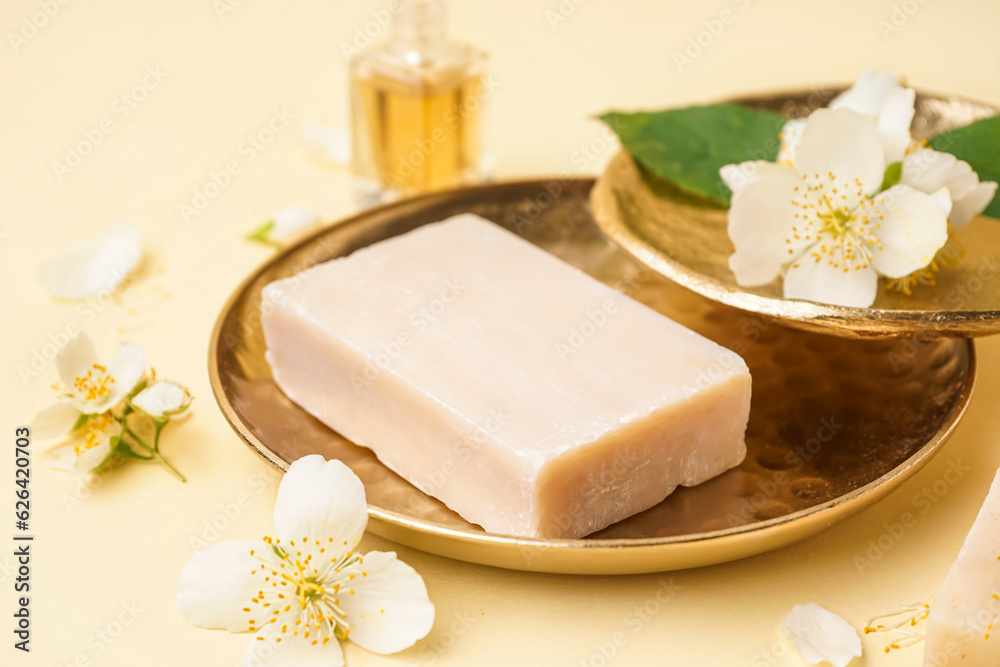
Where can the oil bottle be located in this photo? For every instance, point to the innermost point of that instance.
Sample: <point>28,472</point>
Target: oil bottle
<point>417,107</point>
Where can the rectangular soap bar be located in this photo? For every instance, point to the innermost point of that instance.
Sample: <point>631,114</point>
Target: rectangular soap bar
<point>529,397</point>
<point>963,628</point>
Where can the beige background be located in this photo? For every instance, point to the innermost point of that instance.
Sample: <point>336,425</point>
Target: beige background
<point>101,552</point>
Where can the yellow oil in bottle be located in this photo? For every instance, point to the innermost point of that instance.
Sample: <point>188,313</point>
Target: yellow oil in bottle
<point>419,137</point>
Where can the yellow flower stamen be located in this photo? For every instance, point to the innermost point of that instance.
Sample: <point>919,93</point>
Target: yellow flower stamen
<point>315,608</point>
<point>907,621</point>
<point>95,431</point>
<point>841,235</point>
<point>95,384</point>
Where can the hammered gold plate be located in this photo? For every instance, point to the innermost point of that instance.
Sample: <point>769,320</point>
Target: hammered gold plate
<point>684,238</point>
<point>834,426</point>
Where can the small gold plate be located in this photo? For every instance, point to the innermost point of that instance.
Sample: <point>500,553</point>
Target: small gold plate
<point>834,425</point>
<point>684,238</point>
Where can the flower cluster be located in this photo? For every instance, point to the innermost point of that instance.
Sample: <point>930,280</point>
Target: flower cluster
<point>851,197</point>
<point>107,409</point>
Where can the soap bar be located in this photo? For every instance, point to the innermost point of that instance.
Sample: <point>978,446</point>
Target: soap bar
<point>527,396</point>
<point>963,628</point>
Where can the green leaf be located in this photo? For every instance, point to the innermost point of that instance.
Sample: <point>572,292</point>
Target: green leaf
<point>688,146</point>
<point>263,235</point>
<point>892,175</point>
<point>979,145</point>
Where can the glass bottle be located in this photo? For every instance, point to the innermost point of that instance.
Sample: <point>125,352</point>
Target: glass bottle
<point>417,107</point>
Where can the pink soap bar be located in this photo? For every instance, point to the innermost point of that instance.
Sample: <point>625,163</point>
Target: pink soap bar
<point>529,397</point>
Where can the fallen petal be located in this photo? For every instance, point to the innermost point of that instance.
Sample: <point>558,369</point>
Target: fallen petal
<point>91,268</point>
<point>819,635</point>
<point>290,222</point>
<point>333,145</point>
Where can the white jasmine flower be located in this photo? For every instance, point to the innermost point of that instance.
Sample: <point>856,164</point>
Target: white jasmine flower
<point>162,399</point>
<point>880,96</point>
<point>304,590</point>
<point>91,268</point>
<point>876,95</point>
<point>91,388</point>
<point>285,226</point>
<point>88,447</point>
<point>820,635</point>
<point>928,170</point>
<point>823,221</point>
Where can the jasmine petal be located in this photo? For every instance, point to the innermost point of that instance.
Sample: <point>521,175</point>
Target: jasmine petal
<point>819,635</point>
<point>92,268</point>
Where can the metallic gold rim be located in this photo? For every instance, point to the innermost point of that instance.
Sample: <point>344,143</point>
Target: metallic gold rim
<point>610,556</point>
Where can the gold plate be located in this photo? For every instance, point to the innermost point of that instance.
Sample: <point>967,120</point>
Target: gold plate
<point>684,238</point>
<point>834,425</point>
